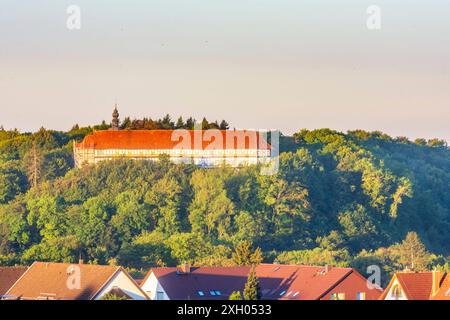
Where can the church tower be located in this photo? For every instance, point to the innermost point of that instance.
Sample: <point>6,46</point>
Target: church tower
<point>115,119</point>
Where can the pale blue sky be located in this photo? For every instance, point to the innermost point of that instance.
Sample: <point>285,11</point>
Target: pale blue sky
<point>286,64</point>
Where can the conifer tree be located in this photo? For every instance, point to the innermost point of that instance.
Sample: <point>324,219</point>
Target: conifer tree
<point>252,289</point>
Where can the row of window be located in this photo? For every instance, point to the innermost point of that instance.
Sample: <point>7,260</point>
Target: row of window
<point>183,152</point>
<point>341,296</point>
<point>214,293</point>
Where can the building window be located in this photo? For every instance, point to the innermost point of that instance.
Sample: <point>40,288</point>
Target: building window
<point>159,295</point>
<point>360,296</point>
<point>337,296</point>
<point>397,292</point>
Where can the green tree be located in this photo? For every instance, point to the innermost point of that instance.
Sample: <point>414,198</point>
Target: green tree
<point>243,255</point>
<point>252,290</point>
<point>235,295</point>
<point>412,253</point>
<point>112,296</point>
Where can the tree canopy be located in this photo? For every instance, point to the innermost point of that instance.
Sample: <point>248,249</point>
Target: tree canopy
<point>344,199</point>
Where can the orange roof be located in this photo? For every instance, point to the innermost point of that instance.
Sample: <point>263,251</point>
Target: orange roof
<point>283,282</point>
<point>46,280</point>
<point>8,276</point>
<point>175,139</point>
<point>444,290</point>
<point>415,285</point>
<point>309,282</point>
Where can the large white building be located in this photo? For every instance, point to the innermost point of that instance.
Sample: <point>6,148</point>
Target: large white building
<point>207,148</point>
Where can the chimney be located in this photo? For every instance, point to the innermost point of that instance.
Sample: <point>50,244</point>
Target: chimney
<point>185,267</point>
<point>435,282</point>
<point>328,268</point>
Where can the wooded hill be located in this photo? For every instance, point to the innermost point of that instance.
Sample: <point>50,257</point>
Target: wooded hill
<point>341,199</point>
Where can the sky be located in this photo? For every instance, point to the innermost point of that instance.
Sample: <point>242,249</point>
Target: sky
<point>259,64</point>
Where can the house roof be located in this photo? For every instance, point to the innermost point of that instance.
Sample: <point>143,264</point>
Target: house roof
<point>8,276</point>
<point>186,286</point>
<point>415,285</point>
<point>285,282</point>
<point>45,280</point>
<point>298,282</point>
<point>444,290</point>
<point>174,139</point>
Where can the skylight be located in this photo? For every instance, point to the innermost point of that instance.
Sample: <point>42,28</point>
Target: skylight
<point>282,292</point>
<point>295,294</point>
<point>201,293</point>
<point>212,292</point>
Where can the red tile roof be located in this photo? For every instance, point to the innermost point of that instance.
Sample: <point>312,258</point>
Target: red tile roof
<point>8,276</point>
<point>415,285</point>
<point>45,280</point>
<point>309,282</point>
<point>285,282</point>
<point>171,139</point>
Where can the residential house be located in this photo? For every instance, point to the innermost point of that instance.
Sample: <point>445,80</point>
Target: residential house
<point>408,285</point>
<point>277,282</point>
<point>65,281</point>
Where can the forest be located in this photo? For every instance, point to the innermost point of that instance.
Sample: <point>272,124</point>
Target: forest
<point>347,199</point>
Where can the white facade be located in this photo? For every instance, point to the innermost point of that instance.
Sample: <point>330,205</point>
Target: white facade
<point>122,281</point>
<point>202,158</point>
<point>396,292</point>
<point>153,288</point>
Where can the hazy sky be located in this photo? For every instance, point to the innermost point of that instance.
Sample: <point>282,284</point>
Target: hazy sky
<point>286,64</point>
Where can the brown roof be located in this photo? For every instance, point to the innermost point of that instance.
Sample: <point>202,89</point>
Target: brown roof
<point>284,282</point>
<point>171,139</point>
<point>45,280</point>
<point>8,276</point>
<point>444,290</point>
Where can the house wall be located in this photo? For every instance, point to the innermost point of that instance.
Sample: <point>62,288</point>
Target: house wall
<point>152,286</point>
<point>121,280</point>
<point>390,296</point>
<point>351,285</point>
<point>207,158</point>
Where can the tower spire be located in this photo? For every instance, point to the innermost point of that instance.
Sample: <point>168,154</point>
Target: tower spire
<point>115,118</point>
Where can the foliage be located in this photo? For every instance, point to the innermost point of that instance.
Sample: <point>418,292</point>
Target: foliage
<point>341,199</point>
<point>252,290</point>
<point>235,295</point>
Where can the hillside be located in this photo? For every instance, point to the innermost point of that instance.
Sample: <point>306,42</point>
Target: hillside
<point>343,199</point>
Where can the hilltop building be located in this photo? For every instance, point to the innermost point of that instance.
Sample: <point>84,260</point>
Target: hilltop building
<point>206,148</point>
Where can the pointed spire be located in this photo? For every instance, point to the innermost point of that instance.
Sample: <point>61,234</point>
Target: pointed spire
<point>115,119</point>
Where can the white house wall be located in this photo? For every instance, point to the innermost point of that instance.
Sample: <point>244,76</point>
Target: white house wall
<point>122,281</point>
<point>152,286</point>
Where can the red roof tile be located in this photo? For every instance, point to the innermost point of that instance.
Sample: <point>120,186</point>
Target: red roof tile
<point>8,276</point>
<point>171,139</point>
<point>285,282</point>
<point>416,285</point>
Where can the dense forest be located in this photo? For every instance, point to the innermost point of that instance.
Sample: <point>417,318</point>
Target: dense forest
<point>348,199</point>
